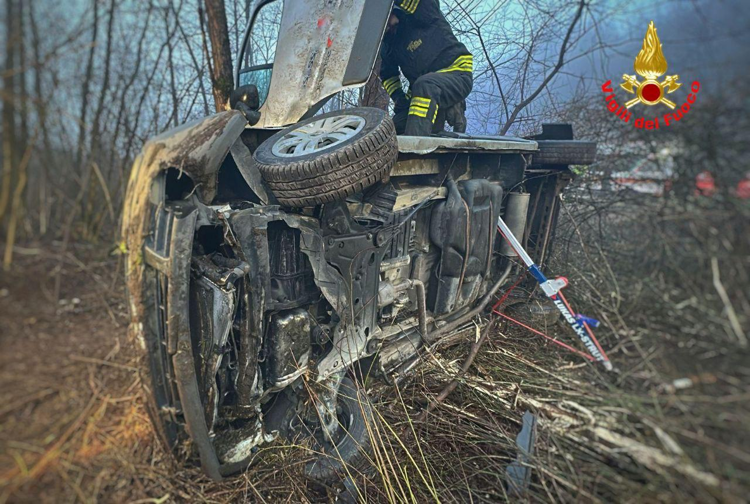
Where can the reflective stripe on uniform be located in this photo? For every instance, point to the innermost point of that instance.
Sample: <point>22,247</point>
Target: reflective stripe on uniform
<point>409,6</point>
<point>462,64</point>
<point>419,106</point>
<point>435,114</point>
<point>392,85</point>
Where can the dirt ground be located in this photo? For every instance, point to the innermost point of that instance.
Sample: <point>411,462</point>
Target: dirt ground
<point>70,400</point>
<point>73,426</point>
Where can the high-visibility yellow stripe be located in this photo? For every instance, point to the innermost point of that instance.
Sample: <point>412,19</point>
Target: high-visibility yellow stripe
<point>409,6</point>
<point>463,63</point>
<point>420,106</point>
<point>392,89</point>
<point>392,84</point>
<point>435,115</point>
<point>463,66</point>
<point>457,69</point>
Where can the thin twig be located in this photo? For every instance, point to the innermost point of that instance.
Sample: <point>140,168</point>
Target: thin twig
<point>473,352</point>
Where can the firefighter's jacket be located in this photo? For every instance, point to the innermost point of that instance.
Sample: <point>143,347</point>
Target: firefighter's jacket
<point>422,42</point>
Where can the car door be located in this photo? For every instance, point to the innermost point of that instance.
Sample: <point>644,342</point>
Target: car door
<point>299,53</point>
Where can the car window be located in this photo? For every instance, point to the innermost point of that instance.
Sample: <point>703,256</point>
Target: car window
<point>260,50</point>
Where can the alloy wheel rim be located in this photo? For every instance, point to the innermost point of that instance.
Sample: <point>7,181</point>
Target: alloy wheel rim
<point>318,136</point>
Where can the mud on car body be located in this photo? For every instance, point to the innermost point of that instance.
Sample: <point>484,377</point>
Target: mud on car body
<point>266,263</point>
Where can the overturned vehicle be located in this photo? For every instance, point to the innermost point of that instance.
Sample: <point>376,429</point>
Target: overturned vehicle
<point>274,252</point>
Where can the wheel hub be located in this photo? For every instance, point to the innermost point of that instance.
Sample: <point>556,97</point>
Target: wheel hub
<point>318,136</point>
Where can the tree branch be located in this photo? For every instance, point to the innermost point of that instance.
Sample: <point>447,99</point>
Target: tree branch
<point>560,62</point>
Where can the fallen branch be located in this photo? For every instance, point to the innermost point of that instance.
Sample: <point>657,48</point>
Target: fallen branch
<point>653,458</point>
<point>731,314</point>
<point>569,424</point>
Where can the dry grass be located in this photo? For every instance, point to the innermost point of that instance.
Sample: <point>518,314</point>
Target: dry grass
<point>74,428</point>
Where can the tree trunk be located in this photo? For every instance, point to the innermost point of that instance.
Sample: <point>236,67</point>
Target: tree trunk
<point>20,79</point>
<point>41,104</point>
<point>86,87</point>
<point>373,94</point>
<point>221,53</point>
<point>197,67</point>
<point>104,90</point>
<point>8,116</point>
<point>89,210</point>
<point>21,147</point>
<point>174,116</point>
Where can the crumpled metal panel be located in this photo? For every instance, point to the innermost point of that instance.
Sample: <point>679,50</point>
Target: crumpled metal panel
<point>426,145</point>
<point>312,55</point>
<point>196,148</point>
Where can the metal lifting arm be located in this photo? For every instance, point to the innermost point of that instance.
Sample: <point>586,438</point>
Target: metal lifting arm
<point>553,289</point>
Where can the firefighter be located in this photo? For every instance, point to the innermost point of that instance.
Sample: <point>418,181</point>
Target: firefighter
<point>420,43</point>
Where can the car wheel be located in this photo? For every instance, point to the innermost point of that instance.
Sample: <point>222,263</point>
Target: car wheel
<point>328,157</point>
<point>348,454</point>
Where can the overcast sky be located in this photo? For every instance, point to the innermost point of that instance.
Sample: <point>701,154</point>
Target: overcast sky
<point>704,40</point>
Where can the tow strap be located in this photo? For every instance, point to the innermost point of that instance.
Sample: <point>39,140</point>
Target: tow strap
<point>553,289</point>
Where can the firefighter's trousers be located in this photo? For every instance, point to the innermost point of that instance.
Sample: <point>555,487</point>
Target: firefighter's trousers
<point>432,95</point>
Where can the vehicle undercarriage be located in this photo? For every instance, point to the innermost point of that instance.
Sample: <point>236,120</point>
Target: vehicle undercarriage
<point>266,265</point>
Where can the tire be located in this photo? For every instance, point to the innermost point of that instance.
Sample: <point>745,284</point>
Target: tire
<point>564,152</point>
<point>330,173</point>
<point>352,452</point>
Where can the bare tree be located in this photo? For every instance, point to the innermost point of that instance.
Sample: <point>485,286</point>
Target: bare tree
<point>17,117</point>
<point>8,117</point>
<point>550,75</point>
<point>221,52</point>
<point>86,86</point>
<point>373,94</point>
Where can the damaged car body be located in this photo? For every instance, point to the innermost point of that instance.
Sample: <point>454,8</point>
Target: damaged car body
<point>272,251</point>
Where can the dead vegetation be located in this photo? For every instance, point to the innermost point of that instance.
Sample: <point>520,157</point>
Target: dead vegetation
<point>667,276</point>
<point>671,425</point>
